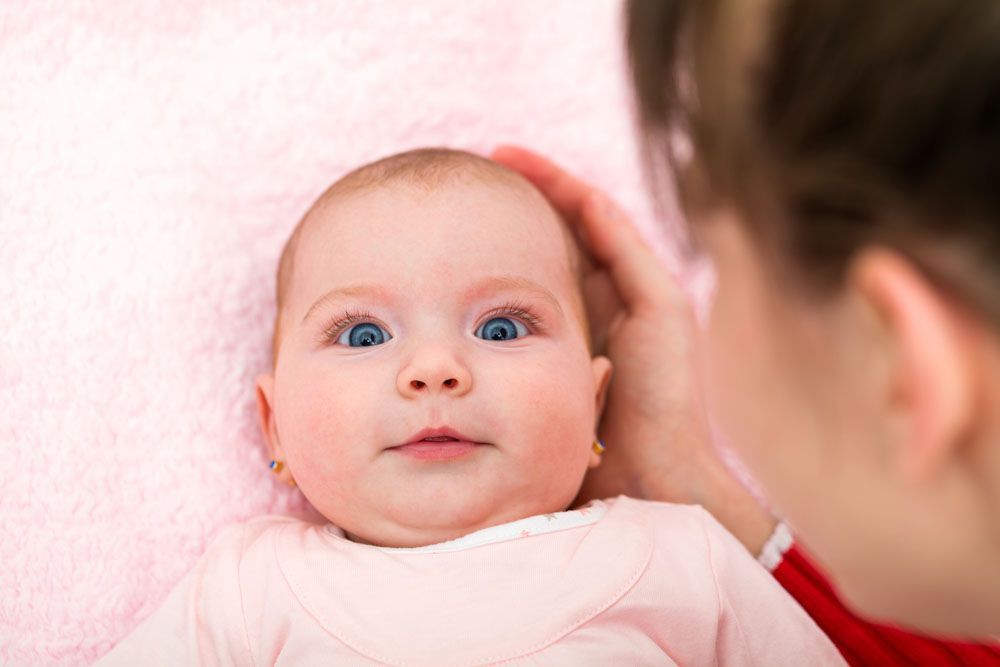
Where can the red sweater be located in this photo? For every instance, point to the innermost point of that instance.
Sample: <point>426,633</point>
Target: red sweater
<point>864,643</point>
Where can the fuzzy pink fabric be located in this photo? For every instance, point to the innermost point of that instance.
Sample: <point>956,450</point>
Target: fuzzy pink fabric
<point>153,158</point>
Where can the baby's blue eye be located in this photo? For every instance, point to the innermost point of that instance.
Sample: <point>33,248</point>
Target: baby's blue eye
<point>501,328</point>
<point>365,334</point>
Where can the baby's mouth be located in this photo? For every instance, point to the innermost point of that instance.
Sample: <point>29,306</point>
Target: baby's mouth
<point>438,444</point>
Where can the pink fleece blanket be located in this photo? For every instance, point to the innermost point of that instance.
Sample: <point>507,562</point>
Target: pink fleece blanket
<point>153,157</point>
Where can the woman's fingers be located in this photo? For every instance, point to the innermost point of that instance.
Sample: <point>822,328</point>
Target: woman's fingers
<point>564,191</point>
<point>640,278</point>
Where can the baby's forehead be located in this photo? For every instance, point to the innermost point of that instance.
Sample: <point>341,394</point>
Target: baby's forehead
<point>500,217</point>
<point>429,170</point>
<point>416,204</point>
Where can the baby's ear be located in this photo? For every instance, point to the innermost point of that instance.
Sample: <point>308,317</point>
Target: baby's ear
<point>265,403</point>
<point>602,377</point>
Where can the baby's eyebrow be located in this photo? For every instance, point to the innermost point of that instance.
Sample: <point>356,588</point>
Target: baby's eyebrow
<point>348,292</point>
<point>484,286</point>
<point>515,283</point>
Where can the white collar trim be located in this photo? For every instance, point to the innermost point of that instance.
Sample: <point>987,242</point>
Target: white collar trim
<point>539,524</point>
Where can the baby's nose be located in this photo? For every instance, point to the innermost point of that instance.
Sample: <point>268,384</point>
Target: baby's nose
<point>437,373</point>
<point>450,383</point>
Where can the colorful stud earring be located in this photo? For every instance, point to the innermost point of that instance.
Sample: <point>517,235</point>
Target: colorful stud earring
<point>598,446</point>
<point>276,466</point>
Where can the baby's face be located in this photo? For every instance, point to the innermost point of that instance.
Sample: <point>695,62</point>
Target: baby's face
<point>452,312</point>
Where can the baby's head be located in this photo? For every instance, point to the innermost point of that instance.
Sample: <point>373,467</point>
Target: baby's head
<point>431,294</point>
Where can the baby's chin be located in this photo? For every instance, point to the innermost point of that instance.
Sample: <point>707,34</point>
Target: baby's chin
<point>421,524</point>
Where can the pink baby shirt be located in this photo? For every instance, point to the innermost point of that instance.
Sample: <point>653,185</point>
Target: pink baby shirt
<point>619,582</point>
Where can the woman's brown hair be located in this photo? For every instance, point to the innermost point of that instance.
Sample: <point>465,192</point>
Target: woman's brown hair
<point>833,125</point>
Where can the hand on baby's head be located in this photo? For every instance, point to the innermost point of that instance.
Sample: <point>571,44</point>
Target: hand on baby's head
<point>432,373</point>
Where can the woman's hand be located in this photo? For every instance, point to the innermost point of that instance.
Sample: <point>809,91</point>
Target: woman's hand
<point>654,425</point>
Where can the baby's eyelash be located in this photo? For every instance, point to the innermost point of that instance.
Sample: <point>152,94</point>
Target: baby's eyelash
<point>518,310</point>
<point>336,327</point>
<point>340,323</point>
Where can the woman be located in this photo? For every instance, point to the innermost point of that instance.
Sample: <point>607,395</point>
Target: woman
<point>843,181</point>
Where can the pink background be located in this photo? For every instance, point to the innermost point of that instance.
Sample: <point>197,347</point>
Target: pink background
<point>153,158</point>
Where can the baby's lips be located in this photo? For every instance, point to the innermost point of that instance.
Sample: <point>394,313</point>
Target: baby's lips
<point>439,434</point>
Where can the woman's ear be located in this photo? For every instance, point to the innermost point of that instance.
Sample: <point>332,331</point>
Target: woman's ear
<point>268,424</point>
<point>931,375</point>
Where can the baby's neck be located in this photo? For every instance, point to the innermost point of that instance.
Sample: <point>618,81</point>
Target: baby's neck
<point>458,534</point>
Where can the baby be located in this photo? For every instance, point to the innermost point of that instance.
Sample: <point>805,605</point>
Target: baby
<point>435,398</point>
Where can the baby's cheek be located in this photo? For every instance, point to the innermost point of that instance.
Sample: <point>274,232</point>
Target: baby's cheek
<point>327,456</point>
<point>324,418</point>
<point>559,412</point>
